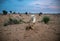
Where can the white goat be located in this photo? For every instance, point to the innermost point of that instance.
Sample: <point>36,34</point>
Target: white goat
<point>33,18</point>
<point>32,22</point>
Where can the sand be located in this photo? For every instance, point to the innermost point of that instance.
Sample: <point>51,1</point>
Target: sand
<point>40,32</point>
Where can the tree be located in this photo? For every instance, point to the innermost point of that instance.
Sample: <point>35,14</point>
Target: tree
<point>40,13</point>
<point>14,12</point>
<point>26,13</point>
<point>4,12</point>
<point>10,11</point>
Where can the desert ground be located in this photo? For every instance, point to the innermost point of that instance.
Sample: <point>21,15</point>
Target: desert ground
<point>40,32</point>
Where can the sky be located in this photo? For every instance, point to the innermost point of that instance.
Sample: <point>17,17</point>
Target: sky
<point>33,6</point>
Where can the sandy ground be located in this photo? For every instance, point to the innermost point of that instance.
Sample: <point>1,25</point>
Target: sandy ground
<point>40,32</point>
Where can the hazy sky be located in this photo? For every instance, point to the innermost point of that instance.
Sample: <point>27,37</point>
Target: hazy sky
<point>35,6</point>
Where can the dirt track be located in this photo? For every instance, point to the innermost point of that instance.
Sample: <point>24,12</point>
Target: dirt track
<point>41,31</point>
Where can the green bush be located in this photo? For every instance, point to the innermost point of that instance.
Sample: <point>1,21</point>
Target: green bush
<point>46,19</point>
<point>21,21</point>
<point>10,21</point>
<point>13,21</point>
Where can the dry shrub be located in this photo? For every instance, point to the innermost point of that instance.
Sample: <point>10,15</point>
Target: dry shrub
<point>45,19</point>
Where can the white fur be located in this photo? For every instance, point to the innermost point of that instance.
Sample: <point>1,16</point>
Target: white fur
<point>33,18</point>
